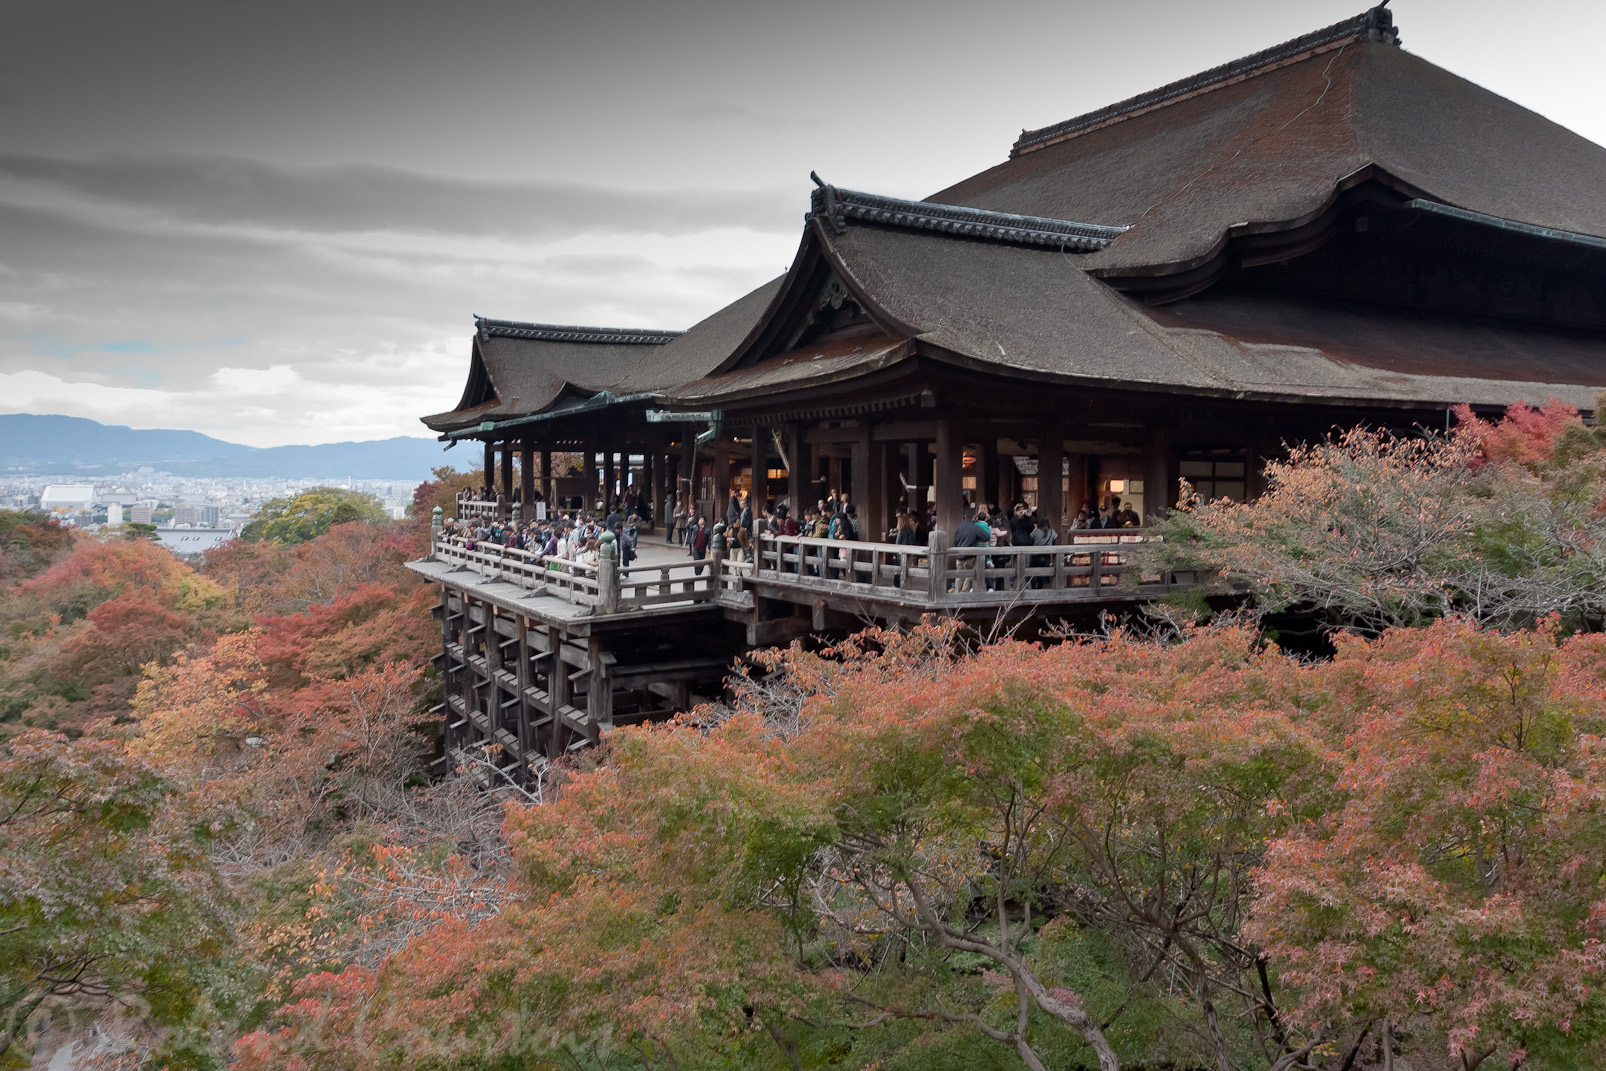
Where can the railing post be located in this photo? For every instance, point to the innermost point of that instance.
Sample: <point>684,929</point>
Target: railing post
<point>716,555</point>
<point>436,527</point>
<point>937,565</point>
<point>607,576</point>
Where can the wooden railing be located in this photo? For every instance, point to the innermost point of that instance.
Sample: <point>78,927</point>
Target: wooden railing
<point>483,509</point>
<point>937,575</point>
<point>606,585</point>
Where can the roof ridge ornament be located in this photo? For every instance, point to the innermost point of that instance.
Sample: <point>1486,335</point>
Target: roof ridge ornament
<point>836,207</point>
<point>486,328</point>
<point>1374,24</point>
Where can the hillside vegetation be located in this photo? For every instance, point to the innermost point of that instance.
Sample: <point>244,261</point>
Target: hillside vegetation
<point>1176,847</point>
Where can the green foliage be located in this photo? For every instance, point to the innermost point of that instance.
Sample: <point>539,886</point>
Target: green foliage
<point>310,514</point>
<point>102,897</point>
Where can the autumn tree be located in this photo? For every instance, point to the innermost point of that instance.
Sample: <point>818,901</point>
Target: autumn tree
<point>29,543</point>
<point>442,491</point>
<point>311,513</point>
<point>1375,530</point>
<point>105,898</point>
<point>1452,899</point>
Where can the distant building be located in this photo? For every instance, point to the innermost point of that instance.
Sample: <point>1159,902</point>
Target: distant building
<point>191,542</point>
<point>195,516</point>
<point>114,513</point>
<point>140,514</point>
<point>67,497</point>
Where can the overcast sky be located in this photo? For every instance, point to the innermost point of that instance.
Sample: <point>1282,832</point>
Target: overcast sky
<point>273,221</point>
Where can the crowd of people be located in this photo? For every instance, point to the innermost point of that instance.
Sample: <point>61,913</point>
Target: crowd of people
<point>574,536</point>
<point>562,535</point>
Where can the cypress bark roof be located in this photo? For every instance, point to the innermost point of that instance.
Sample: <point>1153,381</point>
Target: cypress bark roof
<point>1030,268</point>
<point>1275,139</point>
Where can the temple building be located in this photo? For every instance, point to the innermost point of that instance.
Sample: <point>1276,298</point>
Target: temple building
<point>1327,233</point>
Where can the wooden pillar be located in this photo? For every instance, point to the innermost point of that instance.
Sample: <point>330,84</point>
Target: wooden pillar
<point>814,486</point>
<point>609,489</point>
<point>648,489</point>
<point>863,495</point>
<point>794,470</point>
<point>761,467</point>
<point>507,469</point>
<point>1050,469</point>
<point>885,461</point>
<point>686,483</point>
<point>722,478</point>
<point>1159,492</point>
<point>987,472</point>
<point>833,479</point>
<point>590,500</point>
<point>599,689</point>
<point>1079,493</point>
<point>668,471</point>
<point>548,485</point>
<point>921,478</point>
<point>526,733</point>
<point>950,465</point>
<point>1262,448</point>
<point>527,478</point>
<point>559,691</point>
<point>490,464</point>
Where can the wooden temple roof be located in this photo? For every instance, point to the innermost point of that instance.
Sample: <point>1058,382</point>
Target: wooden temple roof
<point>1096,255</point>
<point>1270,139</point>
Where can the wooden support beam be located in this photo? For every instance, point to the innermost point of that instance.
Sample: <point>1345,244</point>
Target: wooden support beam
<point>490,464</point>
<point>761,464</point>
<point>686,482</point>
<point>862,491</point>
<point>558,691</point>
<point>1050,476</point>
<point>950,463</point>
<point>610,485</point>
<point>589,502</point>
<point>1080,493</point>
<point>796,450</point>
<point>548,486</point>
<point>507,469</point>
<point>599,689</point>
<point>1158,487</point>
<point>987,472</point>
<point>527,478</point>
<point>527,717</point>
<point>722,477</point>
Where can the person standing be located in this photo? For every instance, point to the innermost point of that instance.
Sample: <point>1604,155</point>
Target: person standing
<point>698,541</point>
<point>677,523</point>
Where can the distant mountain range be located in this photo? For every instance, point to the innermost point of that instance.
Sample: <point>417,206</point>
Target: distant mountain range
<point>72,446</point>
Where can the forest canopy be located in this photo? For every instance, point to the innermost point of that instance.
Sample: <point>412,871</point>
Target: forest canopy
<point>225,842</point>
<point>311,513</point>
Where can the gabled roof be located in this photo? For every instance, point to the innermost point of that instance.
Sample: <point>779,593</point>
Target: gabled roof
<point>1269,140</point>
<point>519,368</point>
<point>1153,192</point>
<point>1374,25</point>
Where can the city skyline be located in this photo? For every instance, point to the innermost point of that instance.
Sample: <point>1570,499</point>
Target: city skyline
<point>273,225</point>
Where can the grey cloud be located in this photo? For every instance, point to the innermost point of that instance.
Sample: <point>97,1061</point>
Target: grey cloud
<point>230,191</point>
<point>74,285</point>
<point>741,115</point>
